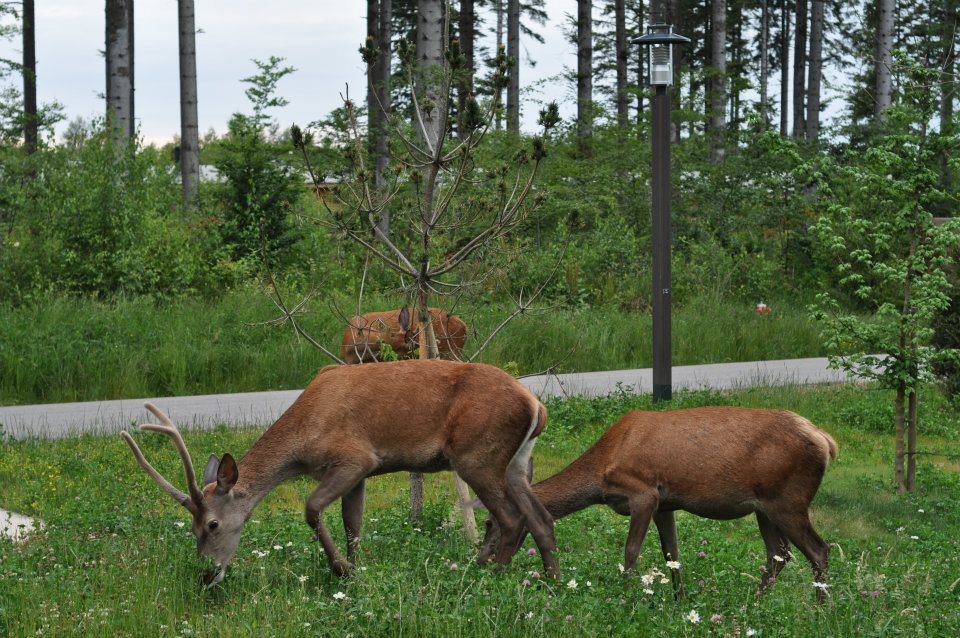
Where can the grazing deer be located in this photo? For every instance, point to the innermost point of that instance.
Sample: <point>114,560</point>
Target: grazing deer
<point>715,462</point>
<point>355,422</point>
<point>400,330</point>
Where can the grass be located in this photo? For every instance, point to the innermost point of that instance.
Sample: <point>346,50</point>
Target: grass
<point>115,560</point>
<point>69,349</point>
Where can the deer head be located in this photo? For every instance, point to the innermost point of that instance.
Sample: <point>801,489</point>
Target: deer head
<point>217,517</point>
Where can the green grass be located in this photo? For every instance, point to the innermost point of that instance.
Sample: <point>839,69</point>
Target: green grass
<point>114,561</point>
<point>69,349</point>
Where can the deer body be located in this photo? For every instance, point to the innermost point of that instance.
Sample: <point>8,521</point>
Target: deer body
<point>400,329</point>
<point>715,462</point>
<point>355,422</point>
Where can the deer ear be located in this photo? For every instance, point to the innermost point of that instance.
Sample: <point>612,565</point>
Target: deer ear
<point>210,470</point>
<point>227,474</point>
<point>404,319</point>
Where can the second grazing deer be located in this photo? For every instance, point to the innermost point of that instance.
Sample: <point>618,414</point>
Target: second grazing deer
<point>715,462</point>
<point>400,329</point>
<point>354,422</point>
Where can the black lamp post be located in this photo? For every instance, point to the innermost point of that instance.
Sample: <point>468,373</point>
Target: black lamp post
<point>661,38</point>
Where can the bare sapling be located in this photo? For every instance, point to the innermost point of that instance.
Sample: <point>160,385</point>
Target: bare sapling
<point>715,462</point>
<point>402,332</point>
<point>353,422</point>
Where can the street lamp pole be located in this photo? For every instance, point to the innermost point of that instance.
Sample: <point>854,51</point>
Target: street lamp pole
<point>660,38</point>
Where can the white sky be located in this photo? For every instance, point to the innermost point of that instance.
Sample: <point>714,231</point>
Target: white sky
<point>320,39</point>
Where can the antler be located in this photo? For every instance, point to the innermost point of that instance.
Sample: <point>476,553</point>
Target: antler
<point>194,501</point>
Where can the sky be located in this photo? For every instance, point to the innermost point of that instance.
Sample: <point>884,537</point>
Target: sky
<point>319,39</point>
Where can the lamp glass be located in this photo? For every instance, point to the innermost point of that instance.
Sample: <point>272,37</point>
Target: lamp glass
<point>661,64</point>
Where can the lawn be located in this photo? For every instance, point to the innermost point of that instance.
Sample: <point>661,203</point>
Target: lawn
<point>117,559</point>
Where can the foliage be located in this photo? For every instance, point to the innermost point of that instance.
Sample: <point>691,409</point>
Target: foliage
<point>262,190</point>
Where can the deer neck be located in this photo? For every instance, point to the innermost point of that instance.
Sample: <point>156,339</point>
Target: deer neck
<point>578,486</point>
<point>263,468</point>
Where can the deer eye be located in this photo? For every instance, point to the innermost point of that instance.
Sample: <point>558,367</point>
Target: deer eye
<point>212,525</point>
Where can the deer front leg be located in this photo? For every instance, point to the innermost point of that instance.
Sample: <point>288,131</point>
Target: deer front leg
<point>666,524</point>
<point>352,515</point>
<point>336,482</point>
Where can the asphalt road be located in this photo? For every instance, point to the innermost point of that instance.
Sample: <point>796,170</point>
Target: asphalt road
<point>262,408</point>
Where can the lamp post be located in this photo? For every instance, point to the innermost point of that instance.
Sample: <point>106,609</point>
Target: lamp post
<point>661,38</point>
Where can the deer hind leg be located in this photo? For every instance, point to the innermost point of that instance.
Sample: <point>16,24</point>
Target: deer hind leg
<point>778,550</point>
<point>336,482</point>
<point>352,515</point>
<point>666,524</point>
<point>798,529</point>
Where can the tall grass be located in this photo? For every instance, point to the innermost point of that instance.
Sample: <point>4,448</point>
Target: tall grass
<point>70,349</point>
<point>114,559</point>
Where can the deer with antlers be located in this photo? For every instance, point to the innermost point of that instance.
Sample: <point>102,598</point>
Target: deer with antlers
<point>354,422</point>
<point>715,462</point>
<point>401,331</point>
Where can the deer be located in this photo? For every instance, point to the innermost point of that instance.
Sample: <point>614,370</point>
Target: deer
<point>401,330</point>
<point>714,462</point>
<point>354,422</point>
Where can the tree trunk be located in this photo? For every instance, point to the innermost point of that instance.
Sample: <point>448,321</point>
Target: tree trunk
<point>816,69</point>
<point>799,69</point>
<point>784,66</point>
<point>383,68</point>
<point>911,483</point>
<point>119,67</point>
<point>883,63</point>
<point>623,52</point>
<point>718,80</point>
<point>948,90</point>
<point>513,54</point>
<point>899,446</point>
<point>30,124</point>
<point>584,76</point>
<point>764,61</point>
<point>189,120</point>
<point>430,23</point>
<point>500,46</point>
<point>467,33</point>
<point>640,67</point>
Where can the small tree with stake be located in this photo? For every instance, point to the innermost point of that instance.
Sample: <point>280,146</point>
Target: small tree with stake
<point>445,211</point>
<point>878,231</point>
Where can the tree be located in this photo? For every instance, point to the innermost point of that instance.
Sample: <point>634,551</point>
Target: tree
<point>120,81</point>
<point>623,55</point>
<point>30,121</point>
<point>189,120</point>
<point>379,13</point>
<point>513,76</point>
<point>442,227</point>
<point>584,76</point>
<point>883,62</point>
<point>816,71</point>
<point>764,61</point>
<point>799,68</point>
<point>891,259</point>
<point>261,189</point>
<point>784,66</point>
<point>466,32</point>
<point>718,80</point>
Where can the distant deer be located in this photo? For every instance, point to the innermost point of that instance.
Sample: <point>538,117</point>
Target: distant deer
<point>400,329</point>
<point>715,462</point>
<point>358,421</point>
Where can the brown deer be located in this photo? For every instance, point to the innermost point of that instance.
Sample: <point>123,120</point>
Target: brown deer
<point>400,329</point>
<point>715,462</point>
<point>354,422</point>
